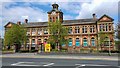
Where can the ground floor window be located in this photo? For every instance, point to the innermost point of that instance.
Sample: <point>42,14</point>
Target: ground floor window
<point>107,41</point>
<point>85,42</point>
<point>70,42</point>
<point>77,42</point>
<point>93,41</point>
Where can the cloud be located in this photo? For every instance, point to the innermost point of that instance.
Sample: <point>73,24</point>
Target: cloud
<point>99,7</point>
<point>19,13</point>
<point>68,17</point>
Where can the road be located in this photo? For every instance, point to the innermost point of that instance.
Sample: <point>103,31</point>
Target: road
<point>59,63</point>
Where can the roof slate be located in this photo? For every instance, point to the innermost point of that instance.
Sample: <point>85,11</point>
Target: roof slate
<point>65,22</point>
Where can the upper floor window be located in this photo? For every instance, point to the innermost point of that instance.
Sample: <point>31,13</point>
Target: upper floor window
<point>92,29</point>
<point>40,31</point>
<point>45,31</point>
<point>110,27</point>
<point>101,27</point>
<point>84,29</point>
<point>106,27</point>
<point>77,29</point>
<point>70,30</point>
<point>28,31</point>
<point>33,31</point>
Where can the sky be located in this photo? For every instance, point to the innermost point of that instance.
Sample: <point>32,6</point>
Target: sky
<point>36,10</point>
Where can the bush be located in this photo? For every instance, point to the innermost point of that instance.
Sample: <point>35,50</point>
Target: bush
<point>7,49</point>
<point>23,51</point>
<point>106,51</point>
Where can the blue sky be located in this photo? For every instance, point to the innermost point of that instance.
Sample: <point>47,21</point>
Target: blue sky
<point>36,10</point>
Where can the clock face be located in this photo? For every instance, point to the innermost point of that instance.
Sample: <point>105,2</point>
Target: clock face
<point>53,13</point>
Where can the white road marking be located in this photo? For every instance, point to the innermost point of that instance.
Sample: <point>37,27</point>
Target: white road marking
<point>22,64</point>
<point>16,63</point>
<point>81,65</point>
<point>48,64</point>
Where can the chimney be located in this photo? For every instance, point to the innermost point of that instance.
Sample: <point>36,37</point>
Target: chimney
<point>94,16</point>
<point>26,20</point>
<point>19,23</point>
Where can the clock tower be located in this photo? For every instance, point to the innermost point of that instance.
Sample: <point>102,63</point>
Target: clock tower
<point>55,14</point>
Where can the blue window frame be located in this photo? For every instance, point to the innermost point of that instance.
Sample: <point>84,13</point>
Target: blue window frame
<point>70,42</point>
<point>77,42</point>
<point>85,42</point>
<point>93,42</point>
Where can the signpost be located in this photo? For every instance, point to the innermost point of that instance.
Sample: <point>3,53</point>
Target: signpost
<point>47,47</point>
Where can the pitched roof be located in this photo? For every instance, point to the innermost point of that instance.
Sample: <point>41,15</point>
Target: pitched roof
<point>79,21</point>
<point>65,22</point>
<point>9,23</point>
<point>106,16</point>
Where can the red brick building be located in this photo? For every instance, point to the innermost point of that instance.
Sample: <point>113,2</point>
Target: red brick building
<point>83,33</point>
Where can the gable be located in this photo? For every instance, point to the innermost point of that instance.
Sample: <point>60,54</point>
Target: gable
<point>105,18</point>
<point>8,25</point>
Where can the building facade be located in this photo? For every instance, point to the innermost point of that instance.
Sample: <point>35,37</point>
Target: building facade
<point>83,33</point>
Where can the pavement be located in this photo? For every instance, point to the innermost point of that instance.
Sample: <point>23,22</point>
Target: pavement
<point>63,56</point>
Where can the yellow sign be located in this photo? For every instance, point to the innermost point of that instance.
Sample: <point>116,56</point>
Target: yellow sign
<point>47,47</point>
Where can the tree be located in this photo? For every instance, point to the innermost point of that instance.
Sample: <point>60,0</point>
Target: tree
<point>118,30</point>
<point>58,32</point>
<point>117,42</point>
<point>16,35</point>
<point>102,38</point>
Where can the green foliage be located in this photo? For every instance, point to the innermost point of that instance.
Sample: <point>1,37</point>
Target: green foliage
<point>102,37</point>
<point>15,34</point>
<point>117,44</point>
<point>118,30</point>
<point>58,32</point>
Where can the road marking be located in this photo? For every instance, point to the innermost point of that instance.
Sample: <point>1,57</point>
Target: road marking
<point>22,64</point>
<point>81,65</point>
<point>16,63</point>
<point>48,64</point>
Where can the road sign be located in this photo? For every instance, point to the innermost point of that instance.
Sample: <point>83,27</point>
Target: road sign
<point>47,47</point>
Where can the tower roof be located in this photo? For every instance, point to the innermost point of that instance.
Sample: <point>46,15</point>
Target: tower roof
<point>55,5</point>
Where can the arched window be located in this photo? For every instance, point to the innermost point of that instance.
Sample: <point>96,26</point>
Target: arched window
<point>39,41</point>
<point>70,42</point>
<point>33,42</point>
<point>93,41</point>
<point>77,42</point>
<point>85,42</point>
